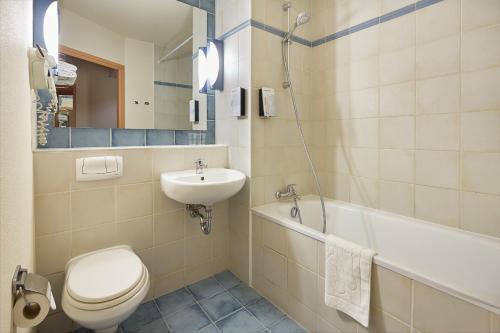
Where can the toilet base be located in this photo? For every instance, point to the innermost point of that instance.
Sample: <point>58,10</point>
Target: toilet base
<point>108,330</point>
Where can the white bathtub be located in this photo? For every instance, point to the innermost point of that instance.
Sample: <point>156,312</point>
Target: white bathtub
<point>461,263</point>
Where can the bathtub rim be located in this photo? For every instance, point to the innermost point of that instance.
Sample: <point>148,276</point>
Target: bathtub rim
<point>381,260</point>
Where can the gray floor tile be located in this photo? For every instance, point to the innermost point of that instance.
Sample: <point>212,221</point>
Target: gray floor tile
<point>265,312</point>
<point>174,301</point>
<point>245,294</point>
<point>190,319</point>
<point>227,279</point>
<point>157,326</point>
<point>205,288</point>
<point>220,305</point>
<point>209,329</point>
<point>240,322</point>
<point>287,326</point>
<point>145,314</point>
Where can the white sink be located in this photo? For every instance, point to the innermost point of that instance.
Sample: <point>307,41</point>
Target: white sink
<point>212,186</point>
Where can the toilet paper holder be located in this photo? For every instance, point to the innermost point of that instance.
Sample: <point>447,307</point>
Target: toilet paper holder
<point>22,282</point>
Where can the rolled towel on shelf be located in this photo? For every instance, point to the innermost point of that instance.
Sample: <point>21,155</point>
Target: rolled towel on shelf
<point>348,278</point>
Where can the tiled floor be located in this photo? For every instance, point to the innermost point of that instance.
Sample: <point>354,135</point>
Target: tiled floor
<point>221,303</point>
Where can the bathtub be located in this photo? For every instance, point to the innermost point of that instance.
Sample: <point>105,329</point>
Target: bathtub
<point>463,264</point>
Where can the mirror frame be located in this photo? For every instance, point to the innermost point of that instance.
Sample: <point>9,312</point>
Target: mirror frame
<point>119,137</point>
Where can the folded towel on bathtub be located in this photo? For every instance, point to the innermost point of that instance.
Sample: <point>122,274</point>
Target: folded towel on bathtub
<point>348,269</point>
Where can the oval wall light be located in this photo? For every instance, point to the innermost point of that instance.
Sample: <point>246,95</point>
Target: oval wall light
<point>51,30</point>
<point>211,65</point>
<point>202,70</point>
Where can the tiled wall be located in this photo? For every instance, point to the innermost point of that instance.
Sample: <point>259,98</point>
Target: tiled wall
<point>411,113</point>
<point>235,132</point>
<point>77,217</point>
<point>105,137</point>
<point>288,268</point>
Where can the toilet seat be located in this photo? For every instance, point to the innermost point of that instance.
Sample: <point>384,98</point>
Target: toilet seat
<point>110,303</point>
<point>104,279</point>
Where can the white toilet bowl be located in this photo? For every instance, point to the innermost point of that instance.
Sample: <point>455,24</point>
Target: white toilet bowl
<point>104,287</point>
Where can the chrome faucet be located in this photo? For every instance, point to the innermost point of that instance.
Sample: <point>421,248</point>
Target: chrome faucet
<point>200,166</point>
<point>291,192</point>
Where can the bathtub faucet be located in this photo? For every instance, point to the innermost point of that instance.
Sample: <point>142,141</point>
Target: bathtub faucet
<point>291,192</point>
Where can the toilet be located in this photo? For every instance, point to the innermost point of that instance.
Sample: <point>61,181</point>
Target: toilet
<point>104,287</point>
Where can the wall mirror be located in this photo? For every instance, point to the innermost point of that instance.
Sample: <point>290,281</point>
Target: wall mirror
<point>135,63</point>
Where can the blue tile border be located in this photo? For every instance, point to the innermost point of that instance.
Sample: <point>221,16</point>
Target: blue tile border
<point>173,84</point>
<point>90,137</point>
<point>339,34</point>
<point>121,137</point>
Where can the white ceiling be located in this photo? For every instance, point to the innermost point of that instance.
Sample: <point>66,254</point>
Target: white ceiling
<point>156,21</point>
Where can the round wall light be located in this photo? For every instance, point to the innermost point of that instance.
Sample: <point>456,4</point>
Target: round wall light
<point>202,70</point>
<point>51,30</point>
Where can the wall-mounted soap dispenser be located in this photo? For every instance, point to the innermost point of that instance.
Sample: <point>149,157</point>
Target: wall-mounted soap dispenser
<point>267,102</point>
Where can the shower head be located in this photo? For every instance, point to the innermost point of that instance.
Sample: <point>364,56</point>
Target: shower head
<point>302,19</point>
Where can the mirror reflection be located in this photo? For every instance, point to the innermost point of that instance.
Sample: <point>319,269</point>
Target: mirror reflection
<point>134,64</point>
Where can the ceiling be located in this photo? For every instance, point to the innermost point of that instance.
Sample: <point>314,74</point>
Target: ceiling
<point>156,21</point>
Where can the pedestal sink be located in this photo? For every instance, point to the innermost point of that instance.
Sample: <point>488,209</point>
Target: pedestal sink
<point>199,191</point>
<point>207,188</point>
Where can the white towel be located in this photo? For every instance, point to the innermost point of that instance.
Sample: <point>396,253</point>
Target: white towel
<point>348,269</point>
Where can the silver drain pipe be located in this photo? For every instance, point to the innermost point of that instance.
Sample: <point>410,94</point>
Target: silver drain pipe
<point>205,219</point>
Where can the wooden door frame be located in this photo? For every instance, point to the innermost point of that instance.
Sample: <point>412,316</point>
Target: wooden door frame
<point>120,123</point>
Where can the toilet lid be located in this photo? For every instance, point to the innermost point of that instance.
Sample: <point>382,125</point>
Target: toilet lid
<point>104,276</point>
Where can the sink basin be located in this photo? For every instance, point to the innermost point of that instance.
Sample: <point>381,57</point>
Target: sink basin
<point>212,186</point>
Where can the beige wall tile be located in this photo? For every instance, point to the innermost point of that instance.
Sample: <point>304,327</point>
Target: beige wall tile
<point>321,259</point>
<point>480,13</point>
<point>398,33</point>
<point>302,285</point>
<point>92,207</point>
<point>496,323</point>
<point>398,99</point>
<point>135,200</point>
<point>363,103</point>
<point>480,131</point>
<point>52,213</point>
<point>440,57</point>
<point>174,252</point>
<point>438,132</point>
<point>391,292</point>
<point>300,313</point>
<point>52,253</point>
<point>438,95</point>
<point>168,227</point>
<point>398,66</point>
<point>94,238</point>
<point>162,203</point>
<point>438,21</point>
<point>481,213</point>
<point>165,160</point>
<point>274,267</point>
<point>338,186</point>
<point>479,90</point>
<point>138,233</point>
<point>435,311</point>
<point>480,48</point>
<point>437,205</point>
<point>322,326</point>
<point>397,165</point>
<point>363,74</point>
<point>437,168</point>
<point>397,132</point>
<point>397,197</point>
<point>383,322</point>
<point>364,132</point>
<point>137,166</point>
<point>302,249</point>
<point>364,162</point>
<point>480,172</point>
<point>169,283</point>
<point>198,250</point>
<point>362,11</point>
<point>364,191</point>
<point>274,236</point>
<point>52,171</point>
